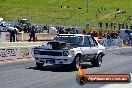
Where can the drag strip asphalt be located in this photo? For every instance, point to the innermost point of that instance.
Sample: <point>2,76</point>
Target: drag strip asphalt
<point>25,75</point>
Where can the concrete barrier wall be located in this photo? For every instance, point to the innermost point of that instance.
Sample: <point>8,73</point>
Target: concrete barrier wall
<point>40,36</point>
<point>15,53</point>
<point>25,36</point>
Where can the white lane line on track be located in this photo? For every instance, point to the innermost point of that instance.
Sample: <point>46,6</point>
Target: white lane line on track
<point>129,85</point>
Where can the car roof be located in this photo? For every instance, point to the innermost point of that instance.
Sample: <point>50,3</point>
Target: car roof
<point>73,35</point>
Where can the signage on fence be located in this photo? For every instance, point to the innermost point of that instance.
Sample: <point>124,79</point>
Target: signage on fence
<point>7,52</point>
<point>11,53</point>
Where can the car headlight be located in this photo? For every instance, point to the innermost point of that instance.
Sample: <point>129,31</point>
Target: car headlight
<point>65,53</point>
<point>71,51</point>
<point>36,51</point>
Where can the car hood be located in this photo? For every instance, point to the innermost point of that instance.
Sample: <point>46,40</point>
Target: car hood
<point>57,46</point>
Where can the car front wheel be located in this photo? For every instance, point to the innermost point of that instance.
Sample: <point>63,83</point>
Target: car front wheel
<point>76,63</point>
<point>39,65</point>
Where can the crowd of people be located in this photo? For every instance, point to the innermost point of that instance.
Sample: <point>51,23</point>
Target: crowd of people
<point>115,26</point>
<point>13,33</point>
<point>108,34</point>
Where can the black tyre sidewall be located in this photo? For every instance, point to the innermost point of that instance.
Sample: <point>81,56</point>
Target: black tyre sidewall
<point>73,64</point>
<point>96,62</point>
<point>39,65</point>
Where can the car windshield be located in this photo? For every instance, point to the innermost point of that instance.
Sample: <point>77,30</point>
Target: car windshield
<point>69,39</point>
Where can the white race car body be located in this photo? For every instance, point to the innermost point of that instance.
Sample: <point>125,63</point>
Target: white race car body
<point>58,52</point>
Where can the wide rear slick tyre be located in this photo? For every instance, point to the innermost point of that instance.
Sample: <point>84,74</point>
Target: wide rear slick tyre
<point>76,63</point>
<point>97,62</point>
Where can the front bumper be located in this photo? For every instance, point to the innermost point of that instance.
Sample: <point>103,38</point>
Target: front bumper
<point>53,59</point>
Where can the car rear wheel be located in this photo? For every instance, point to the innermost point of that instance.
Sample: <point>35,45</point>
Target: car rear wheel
<point>97,62</point>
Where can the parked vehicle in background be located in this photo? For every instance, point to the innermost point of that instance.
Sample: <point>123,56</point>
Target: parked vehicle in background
<point>71,50</point>
<point>22,24</point>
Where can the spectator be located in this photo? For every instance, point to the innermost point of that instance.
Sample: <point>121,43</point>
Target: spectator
<point>119,26</point>
<point>94,34</point>
<point>107,25</point>
<point>100,25</point>
<point>114,35</point>
<point>32,34</point>
<point>45,27</point>
<point>123,25</point>
<point>114,26</point>
<point>61,31</point>
<point>111,25</point>
<point>126,26</point>
<point>108,37</point>
<point>13,33</point>
<point>84,32</point>
<point>69,31</point>
<point>74,31</point>
<point>100,35</point>
<point>89,33</point>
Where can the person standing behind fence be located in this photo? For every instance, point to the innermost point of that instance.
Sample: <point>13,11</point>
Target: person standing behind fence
<point>32,33</point>
<point>127,26</point>
<point>114,26</point>
<point>119,26</point>
<point>74,31</point>
<point>100,35</point>
<point>100,25</point>
<point>108,38</point>
<point>13,33</point>
<point>107,25</point>
<point>16,32</point>
<point>123,25</point>
<point>111,26</point>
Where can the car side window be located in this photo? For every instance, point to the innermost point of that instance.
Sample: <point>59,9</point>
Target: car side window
<point>86,42</point>
<point>93,42</point>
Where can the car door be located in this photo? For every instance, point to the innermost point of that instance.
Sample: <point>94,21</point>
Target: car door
<point>86,49</point>
<point>93,47</point>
